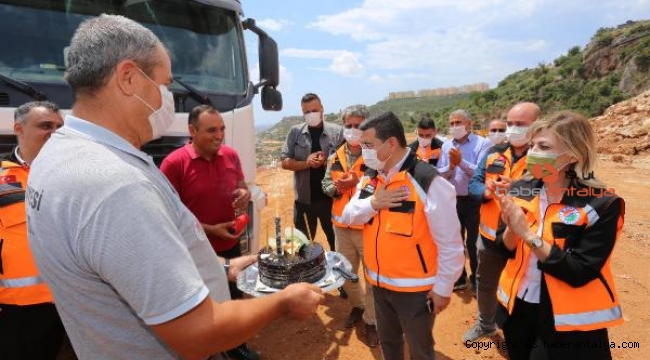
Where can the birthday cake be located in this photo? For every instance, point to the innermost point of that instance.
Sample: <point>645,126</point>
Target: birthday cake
<point>294,260</point>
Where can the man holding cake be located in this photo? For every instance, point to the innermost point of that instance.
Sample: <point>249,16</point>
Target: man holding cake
<point>344,169</point>
<point>413,251</point>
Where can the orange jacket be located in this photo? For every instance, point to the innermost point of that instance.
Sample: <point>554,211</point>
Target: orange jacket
<point>339,167</point>
<point>428,153</point>
<point>578,273</point>
<point>19,280</point>
<point>498,164</point>
<point>399,252</point>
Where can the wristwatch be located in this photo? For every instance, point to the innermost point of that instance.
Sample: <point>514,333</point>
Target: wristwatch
<point>536,242</point>
<point>226,266</point>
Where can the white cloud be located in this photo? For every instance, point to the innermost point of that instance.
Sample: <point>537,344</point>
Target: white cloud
<point>342,62</point>
<point>347,64</point>
<point>286,78</point>
<point>273,24</point>
<point>311,54</point>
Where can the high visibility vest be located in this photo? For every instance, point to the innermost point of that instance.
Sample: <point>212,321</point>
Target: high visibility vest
<point>592,306</point>
<point>399,251</point>
<point>20,283</point>
<point>498,164</point>
<point>338,168</point>
<point>428,154</point>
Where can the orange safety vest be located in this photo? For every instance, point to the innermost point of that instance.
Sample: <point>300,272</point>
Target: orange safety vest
<point>338,168</point>
<point>399,251</point>
<point>497,164</point>
<point>592,306</point>
<point>20,283</point>
<point>428,153</point>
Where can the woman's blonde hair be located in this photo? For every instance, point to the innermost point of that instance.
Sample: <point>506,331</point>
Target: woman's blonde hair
<point>575,134</point>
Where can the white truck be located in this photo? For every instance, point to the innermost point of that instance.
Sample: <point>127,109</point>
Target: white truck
<point>205,39</point>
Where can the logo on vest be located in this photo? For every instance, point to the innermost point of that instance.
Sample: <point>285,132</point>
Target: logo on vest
<point>371,186</point>
<point>569,215</point>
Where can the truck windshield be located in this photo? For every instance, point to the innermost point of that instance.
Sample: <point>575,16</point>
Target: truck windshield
<point>205,42</point>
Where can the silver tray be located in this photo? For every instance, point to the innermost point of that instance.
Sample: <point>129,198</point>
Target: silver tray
<point>248,279</point>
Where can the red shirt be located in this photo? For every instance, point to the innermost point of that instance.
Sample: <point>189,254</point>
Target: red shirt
<point>206,187</point>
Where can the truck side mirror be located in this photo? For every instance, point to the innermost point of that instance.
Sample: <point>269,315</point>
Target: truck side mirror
<point>268,56</point>
<point>271,99</point>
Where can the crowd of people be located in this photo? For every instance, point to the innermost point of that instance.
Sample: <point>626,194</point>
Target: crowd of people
<point>138,262</point>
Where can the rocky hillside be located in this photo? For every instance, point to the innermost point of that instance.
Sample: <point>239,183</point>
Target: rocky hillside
<point>624,128</point>
<point>624,50</point>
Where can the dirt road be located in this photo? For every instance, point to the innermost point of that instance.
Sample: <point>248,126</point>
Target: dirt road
<point>324,337</point>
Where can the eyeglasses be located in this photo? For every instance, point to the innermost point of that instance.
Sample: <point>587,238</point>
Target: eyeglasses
<point>497,130</point>
<point>350,126</point>
<point>370,146</point>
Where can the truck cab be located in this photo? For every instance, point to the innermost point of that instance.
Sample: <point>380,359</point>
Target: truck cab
<point>206,44</point>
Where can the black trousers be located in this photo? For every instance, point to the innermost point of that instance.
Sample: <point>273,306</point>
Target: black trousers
<point>528,340</point>
<point>30,332</point>
<point>469,216</point>
<point>320,209</point>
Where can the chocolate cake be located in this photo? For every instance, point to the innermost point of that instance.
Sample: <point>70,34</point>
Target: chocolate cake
<point>279,271</point>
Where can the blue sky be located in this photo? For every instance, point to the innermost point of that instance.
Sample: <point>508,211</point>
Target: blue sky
<point>356,52</point>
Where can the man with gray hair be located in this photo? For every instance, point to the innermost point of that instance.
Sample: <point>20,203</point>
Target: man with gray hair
<point>30,326</point>
<point>344,169</point>
<point>131,268</point>
<point>457,163</point>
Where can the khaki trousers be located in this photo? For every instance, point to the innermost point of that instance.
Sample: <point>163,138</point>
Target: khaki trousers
<point>349,242</point>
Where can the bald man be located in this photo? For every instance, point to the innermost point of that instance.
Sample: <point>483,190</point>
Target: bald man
<point>502,165</point>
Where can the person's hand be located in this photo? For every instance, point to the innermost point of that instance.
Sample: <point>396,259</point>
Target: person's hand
<point>238,264</point>
<point>301,300</point>
<point>221,231</point>
<point>440,303</point>
<point>241,198</point>
<point>499,186</point>
<point>455,156</point>
<point>514,217</point>
<point>347,181</point>
<point>316,159</point>
<point>388,198</point>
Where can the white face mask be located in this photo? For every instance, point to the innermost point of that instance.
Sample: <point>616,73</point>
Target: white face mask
<point>424,142</point>
<point>457,132</point>
<point>313,118</point>
<point>352,136</point>
<point>370,158</point>
<point>160,119</point>
<point>497,137</point>
<point>517,135</point>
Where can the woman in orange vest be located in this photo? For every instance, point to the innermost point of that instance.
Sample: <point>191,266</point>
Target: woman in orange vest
<point>557,289</point>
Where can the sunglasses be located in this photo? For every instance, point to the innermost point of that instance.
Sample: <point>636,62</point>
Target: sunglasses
<point>497,130</point>
<point>349,126</point>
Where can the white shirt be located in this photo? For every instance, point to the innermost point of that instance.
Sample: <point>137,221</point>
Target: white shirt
<point>440,211</point>
<point>531,282</point>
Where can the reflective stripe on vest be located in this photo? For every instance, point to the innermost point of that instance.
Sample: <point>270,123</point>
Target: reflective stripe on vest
<point>338,203</point>
<point>489,214</point>
<point>21,282</point>
<point>592,215</point>
<point>401,282</point>
<point>487,231</point>
<point>505,299</point>
<point>589,317</point>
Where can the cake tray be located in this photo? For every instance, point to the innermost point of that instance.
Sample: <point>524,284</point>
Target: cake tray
<point>248,279</point>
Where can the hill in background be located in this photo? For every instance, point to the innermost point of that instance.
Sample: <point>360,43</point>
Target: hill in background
<point>613,67</point>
